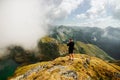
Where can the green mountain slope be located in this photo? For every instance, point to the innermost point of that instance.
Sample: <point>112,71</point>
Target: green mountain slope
<point>107,39</point>
<point>92,50</point>
<point>52,48</point>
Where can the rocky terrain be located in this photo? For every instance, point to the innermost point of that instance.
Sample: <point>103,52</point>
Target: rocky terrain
<point>48,49</point>
<point>83,67</point>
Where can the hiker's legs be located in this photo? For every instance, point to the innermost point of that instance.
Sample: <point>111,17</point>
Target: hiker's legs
<point>71,56</point>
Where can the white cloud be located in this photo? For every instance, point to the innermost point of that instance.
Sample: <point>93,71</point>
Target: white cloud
<point>100,22</point>
<point>116,13</point>
<point>81,16</point>
<point>102,13</point>
<point>64,8</point>
<point>22,22</point>
<point>98,9</point>
<point>25,21</point>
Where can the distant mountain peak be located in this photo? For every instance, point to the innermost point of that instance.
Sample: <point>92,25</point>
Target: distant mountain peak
<point>107,39</point>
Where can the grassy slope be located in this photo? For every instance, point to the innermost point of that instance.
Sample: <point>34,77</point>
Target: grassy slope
<point>89,49</point>
<point>93,50</point>
<point>64,69</point>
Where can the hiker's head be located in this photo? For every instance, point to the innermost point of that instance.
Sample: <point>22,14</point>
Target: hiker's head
<point>70,39</point>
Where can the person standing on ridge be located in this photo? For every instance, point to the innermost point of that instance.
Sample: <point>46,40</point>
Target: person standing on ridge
<point>70,49</point>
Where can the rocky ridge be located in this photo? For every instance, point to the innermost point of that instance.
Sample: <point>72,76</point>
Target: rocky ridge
<point>83,67</point>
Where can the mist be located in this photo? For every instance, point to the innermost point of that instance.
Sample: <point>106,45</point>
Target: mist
<point>22,22</point>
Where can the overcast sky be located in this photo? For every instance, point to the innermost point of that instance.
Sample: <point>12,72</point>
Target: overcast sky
<point>25,21</point>
<point>99,13</point>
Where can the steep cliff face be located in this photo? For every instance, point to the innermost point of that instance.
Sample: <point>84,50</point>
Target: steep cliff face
<point>83,67</point>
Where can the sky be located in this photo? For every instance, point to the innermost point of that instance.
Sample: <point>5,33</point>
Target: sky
<point>93,13</point>
<point>24,22</point>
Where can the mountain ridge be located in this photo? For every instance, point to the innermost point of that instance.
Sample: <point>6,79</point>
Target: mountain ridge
<point>107,39</point>
<point>48,49</point>
<point>83,67</point>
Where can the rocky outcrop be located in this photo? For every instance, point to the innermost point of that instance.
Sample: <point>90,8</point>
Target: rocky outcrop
<point>51,48</point>
<point>83,67</point>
